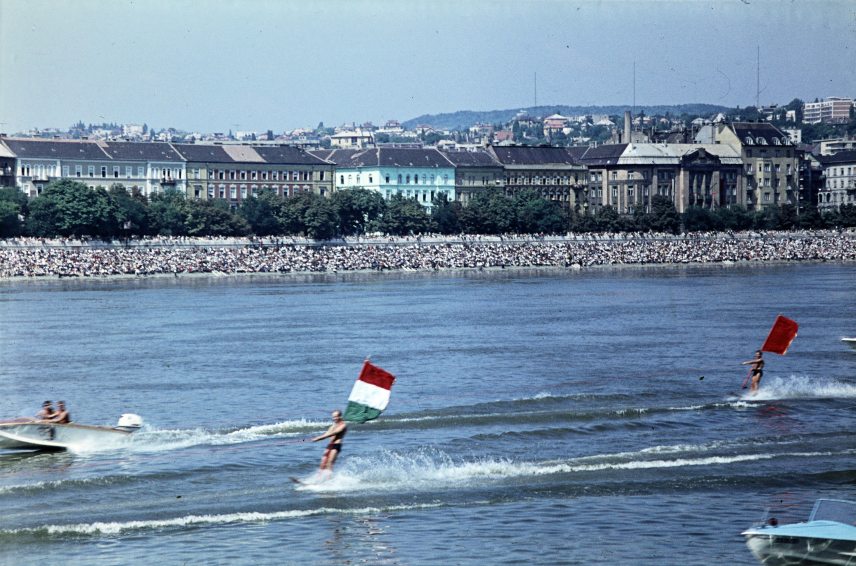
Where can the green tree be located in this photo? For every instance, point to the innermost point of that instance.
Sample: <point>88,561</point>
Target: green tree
<point>357,210</point>
<point>320,219</point>
<point>445,215</point>
<point>168,213</point>
<point>664,216</point>
<point>10,222</point>
<point>607,219</point>
<point>70,208</point>
<point>535,214</point>
<point>214,218</point>
<point>697,219</point>
<point>132,211</point>
<point>262,213</point>
<point>405,216</point>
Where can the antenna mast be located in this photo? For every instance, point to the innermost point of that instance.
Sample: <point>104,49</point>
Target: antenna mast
<point>758,78</point>
<point>536,89</point>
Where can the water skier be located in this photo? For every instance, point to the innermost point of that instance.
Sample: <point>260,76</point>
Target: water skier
<point>757,371</point>
<point>335,433</point>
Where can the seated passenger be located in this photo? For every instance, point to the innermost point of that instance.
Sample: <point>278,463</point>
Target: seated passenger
<point>47,412</point>
<point>62,416</point>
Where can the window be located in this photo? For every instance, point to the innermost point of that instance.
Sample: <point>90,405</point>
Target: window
<point>91,170</point>
<point>254,175</point>
<point>65,170</point>
<point>264,175</point>
<point>115,172</point>
<point>243,175</point>
<point>371,180</point>
<point>129,172</point>
<point>387,179</point>
<point>233,192</point>
<point>78,170</point>
<point>342,179</point>
<point>103,171</point>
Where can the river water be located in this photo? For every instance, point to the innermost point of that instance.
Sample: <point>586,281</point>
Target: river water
<point>538,417</point>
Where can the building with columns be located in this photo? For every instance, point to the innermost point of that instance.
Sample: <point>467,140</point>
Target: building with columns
<point>770,162</point>
<point>628,176</point>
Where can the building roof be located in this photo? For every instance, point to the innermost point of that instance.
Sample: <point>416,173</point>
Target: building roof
<point>511,155</point>
<point>471,159</point>
<point>759,133</point>
<point>393,157</point>
<point>607,154</point>
<point>243,154</point>
<point>844,156</point>
<point>287,154</point>
<point>54,149</point>
<point>673,153</point>
<point>203,153</point>
<point>141,151</point>
<point>335,156</point>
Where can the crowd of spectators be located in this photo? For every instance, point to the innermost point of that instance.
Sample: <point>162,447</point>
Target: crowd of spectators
<point>176,256</point>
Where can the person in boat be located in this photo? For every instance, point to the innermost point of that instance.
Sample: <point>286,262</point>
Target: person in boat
<point>757,365</point>
<point>47,411</point>
<point>335,433</point>
<point>61,416</point>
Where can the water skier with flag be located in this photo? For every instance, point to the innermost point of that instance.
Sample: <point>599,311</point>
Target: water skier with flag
<point>367,401</point>
<point>778,341</point>
<point>336,433</point>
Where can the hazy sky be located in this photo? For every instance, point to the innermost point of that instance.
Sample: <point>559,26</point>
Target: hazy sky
<point>215,65</point>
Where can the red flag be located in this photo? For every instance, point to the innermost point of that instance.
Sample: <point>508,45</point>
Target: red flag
<point>376,376</point>
<point>781,335</point>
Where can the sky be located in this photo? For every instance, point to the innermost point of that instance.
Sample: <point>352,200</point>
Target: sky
<point>220,65</point>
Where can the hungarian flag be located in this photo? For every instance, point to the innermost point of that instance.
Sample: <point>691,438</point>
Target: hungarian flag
<point>370,394</point>
<point>781,335</point>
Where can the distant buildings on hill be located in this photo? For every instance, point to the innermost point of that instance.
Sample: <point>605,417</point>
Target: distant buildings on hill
<point>586,162</point>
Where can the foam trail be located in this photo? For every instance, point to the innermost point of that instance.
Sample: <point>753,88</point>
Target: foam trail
<point>112,528</point>
<point>160,440</point>
<point>803,387</point>
<point>430,470</point>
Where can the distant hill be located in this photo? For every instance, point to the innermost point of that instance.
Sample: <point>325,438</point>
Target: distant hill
<point>465,118</point>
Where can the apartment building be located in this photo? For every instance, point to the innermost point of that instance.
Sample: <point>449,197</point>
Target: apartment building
<point>770,162</point>
<point>421,173</point>
<point>833,110</point>
<point>146,167</point>
<point>236,172</point>
<point>554,172</point>
<point>839,184</point>
<point>475,172</point>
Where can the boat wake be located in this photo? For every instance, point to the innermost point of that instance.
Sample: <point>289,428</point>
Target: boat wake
<point>113,528</point>
<point>150,439</point>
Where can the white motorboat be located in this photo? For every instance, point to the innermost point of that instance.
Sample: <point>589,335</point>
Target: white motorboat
<point>850,342</point>
<point>828,537</point>
<point>31,434</point>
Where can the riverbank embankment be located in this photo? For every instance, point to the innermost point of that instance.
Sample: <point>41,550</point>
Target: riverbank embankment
<point>36,258</point>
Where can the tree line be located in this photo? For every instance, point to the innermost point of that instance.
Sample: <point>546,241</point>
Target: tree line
<point>68,208</point>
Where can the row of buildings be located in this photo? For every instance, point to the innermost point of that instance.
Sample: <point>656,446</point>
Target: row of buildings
<point>753,164</point>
